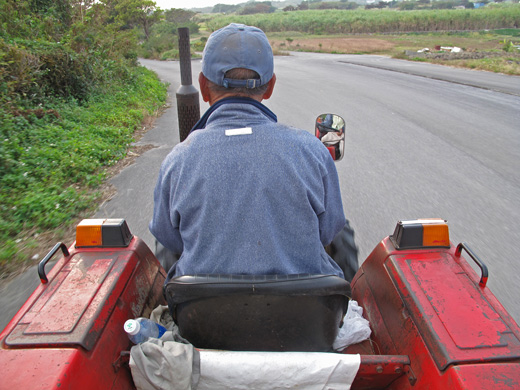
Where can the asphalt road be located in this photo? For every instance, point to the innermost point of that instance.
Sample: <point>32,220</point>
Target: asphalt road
<point>422,141</point>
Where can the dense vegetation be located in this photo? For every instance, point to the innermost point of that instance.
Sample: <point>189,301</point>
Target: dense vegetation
<point>378,21</point>
<point>72,95</point>
<point>163,42</point>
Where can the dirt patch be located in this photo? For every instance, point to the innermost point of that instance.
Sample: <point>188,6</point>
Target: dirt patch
<point>336,45</point>
<point>459,56</point>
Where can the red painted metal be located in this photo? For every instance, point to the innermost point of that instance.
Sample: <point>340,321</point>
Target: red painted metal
<point>428,305</point>
<point>433,326</point>
<point>69,334</point>
<point>379,371</point>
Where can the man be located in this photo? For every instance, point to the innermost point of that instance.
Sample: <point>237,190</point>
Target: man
<point>244,194</point>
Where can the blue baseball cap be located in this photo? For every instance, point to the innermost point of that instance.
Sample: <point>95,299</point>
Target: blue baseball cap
<point>238,46</point>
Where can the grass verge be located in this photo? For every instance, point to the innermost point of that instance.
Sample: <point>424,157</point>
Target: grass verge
<point>54,162</point>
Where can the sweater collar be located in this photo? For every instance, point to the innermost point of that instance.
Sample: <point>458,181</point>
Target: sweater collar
<point>240,100</point>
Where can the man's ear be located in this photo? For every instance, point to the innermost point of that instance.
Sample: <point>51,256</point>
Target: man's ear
<point>270,87</point>
<point>204,89</point>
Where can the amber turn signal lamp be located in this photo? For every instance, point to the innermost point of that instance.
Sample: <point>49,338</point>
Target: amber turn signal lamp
<point>421,233</point>
<point>103,233</point>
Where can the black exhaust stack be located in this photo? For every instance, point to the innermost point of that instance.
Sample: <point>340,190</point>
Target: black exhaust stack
<point>188,109</point>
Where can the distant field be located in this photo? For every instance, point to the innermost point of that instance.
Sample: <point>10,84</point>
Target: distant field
<point>488,36</point>
<point>481,50</point>
<point>377,21</point>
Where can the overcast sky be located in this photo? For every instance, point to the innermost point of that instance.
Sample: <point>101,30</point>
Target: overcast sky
<point>167,4</point>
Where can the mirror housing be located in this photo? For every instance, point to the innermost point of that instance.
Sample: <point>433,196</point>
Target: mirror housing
<point>330,129</point>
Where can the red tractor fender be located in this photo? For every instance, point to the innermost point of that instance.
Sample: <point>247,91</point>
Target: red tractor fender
<point>69,333</point>
<point>430,305</point>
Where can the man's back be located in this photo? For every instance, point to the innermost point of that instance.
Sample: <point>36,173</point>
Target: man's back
<point>242,194</point>
<point>259,203</point>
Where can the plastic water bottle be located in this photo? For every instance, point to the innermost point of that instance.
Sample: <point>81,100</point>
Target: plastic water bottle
<point>141,329</point>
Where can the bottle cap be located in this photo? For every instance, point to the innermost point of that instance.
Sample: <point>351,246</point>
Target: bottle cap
<point>132,327</point>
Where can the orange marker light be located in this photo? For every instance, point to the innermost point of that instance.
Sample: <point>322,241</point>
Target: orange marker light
<point>88,233</point>
<point>436,234</point>
<point>421,233</point>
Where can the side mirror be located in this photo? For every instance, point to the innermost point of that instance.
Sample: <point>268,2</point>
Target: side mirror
<point>330,129</point>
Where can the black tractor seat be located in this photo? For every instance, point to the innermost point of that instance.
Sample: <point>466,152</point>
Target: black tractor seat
<point>259,313</point>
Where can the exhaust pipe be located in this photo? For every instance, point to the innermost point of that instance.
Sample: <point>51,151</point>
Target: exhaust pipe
<point>188,108</point>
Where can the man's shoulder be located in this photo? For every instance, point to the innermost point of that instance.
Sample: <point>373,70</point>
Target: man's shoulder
<point>294,134</point>
<point>194,140</point>
<point>291,131</point>
<point>180,151</point>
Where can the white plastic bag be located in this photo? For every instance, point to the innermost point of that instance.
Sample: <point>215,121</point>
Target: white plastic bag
<point>355,328</point>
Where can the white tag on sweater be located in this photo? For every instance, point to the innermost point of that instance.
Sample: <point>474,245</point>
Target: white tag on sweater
<point>243,131</point>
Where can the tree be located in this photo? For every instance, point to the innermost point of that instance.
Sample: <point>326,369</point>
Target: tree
<point>443,4</point>
<point>142,13</point>
<point>60,8</point>
<point>264,7</point>
<point>304,5</point>
<point>224,8</point>
<point>178,16</point>
<point>335,5</point>
<point>80,8</point>
<point>407,5</point>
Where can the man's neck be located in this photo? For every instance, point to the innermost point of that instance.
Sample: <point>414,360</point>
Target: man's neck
<point>213,99</point>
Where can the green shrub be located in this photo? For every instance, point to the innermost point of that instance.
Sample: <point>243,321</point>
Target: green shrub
<point>170,55</point>
<point>71,96</point>
<point>31,73</point>
<point>508,46</point>
<point>199,44</point>
<point>163,40</point>
<point>52,159</point>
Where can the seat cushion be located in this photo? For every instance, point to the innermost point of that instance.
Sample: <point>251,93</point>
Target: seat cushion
<point>261,313</point>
